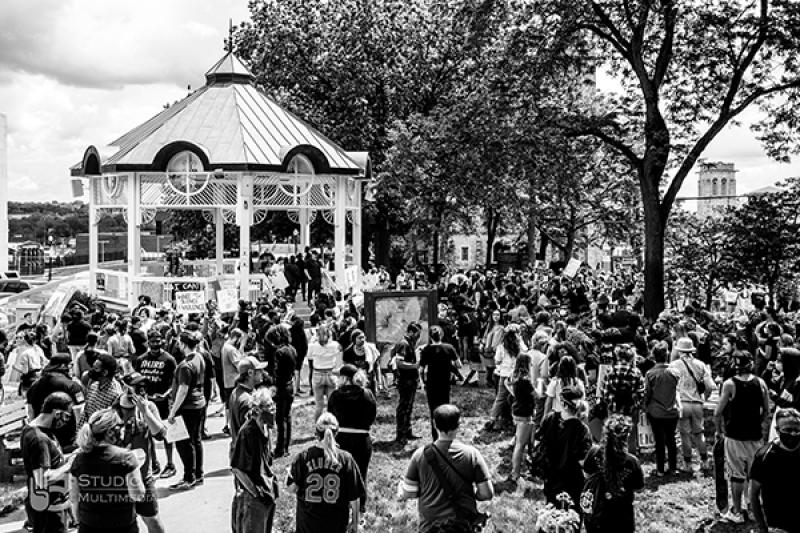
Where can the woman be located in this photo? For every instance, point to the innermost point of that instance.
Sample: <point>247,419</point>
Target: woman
<point>492,337</point>
<point>106,479</point>
<point>27,361</point>
<point>566,377</point>
<point>327,482</point>
<point>363,355</point>
<point>355,408</point>
<point>256,487</point>
<point>505,360</point>
<point>285,367</point>
<point>326,355</point>
<point>522,409</point>
<point>615,474</point>
<point>565,441</point>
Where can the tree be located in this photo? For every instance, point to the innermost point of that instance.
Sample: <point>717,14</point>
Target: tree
<point>688,70</point>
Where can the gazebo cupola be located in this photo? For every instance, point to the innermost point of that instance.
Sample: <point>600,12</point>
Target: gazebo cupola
<point>231,151</point>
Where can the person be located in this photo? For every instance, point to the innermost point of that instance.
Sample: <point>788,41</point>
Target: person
<point>120,345</point>
<point>774,491</point>
<point>285,369</point>
<point>104,389</point>
<point>326,354</point>
<point>300,344</point>
<point>188,402</point>
<point>522,408</point>
<point>313,273</point>
<point>327,483</point>
<point>694,376</point>
<point>505,361</point>
<point>614,476</point>
<point>55,378</point>
<point>448,478</point>
<point>540,373</point>
<point>141,426</point>
<point>158,368</point>
<point>230,356</point>
<point>565,441</point>
<point>744,406</point>
<point>27,361</point>
<point>355,408</point>
<point>256,487</point>
<point>106,478</point>
<point>662,403</point>
<point>405,357</point>
<point>623,390</point>
<point>47,503</point>
<point>437,361</point>
<point>77,330</point>
<point>364,356</point>
<point>251,375</point>
<point>492,337</point>
<point>566,377</point>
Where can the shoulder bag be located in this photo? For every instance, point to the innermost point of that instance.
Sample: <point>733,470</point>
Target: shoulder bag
<point>468,521</point>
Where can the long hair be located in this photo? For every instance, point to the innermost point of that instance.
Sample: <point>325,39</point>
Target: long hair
<point>279,335</point>
<point>511,342</point>
<point>95,430</point>
<point>522,368</point>
<point>615,444</point>
<point>326,428</point>
<point>567,370</point>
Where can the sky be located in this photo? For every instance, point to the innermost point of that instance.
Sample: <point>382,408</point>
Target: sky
<point>75,73</point>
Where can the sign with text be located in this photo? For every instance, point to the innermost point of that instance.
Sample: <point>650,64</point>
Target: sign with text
<point>572,268</point>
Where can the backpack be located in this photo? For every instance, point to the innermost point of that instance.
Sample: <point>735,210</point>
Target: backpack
<point>593,499</point>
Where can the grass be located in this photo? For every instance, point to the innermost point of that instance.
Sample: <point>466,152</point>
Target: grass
<point>675,506</point>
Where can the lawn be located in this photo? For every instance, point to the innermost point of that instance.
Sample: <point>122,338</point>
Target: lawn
<point>674,506</point>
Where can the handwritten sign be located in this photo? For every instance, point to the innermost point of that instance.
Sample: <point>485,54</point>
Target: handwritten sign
<point>228,300</point>
<point>572,268</point>
<point>187,302</point>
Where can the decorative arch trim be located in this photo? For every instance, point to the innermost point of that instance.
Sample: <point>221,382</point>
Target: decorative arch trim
<point>162,158</point>
<point>314,154</point>
<point>91,162</point>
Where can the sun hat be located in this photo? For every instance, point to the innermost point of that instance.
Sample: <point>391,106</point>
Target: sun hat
<point>685,345</point>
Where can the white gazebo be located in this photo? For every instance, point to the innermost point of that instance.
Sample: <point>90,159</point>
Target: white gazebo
<point>231,151</point>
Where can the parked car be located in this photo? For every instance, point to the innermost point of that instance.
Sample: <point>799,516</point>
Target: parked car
<point>13,286</point>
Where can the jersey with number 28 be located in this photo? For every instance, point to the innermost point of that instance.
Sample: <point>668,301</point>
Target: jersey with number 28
<point>325,490</point>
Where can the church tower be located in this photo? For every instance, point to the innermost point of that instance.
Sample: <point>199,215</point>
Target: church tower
<point>716,188</point>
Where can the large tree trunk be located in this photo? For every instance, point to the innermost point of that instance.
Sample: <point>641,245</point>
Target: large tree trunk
<point>532,236</point>
<point>436,249</point>
<point>492,222</point>
<point>654,227</point>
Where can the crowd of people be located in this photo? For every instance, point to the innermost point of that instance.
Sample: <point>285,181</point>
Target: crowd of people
<point>578,375</point>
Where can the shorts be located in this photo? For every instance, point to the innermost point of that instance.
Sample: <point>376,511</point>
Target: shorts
<point>163,409</point>
<point>148,507</point>
<point>692,419</point>
<point>739,455</point>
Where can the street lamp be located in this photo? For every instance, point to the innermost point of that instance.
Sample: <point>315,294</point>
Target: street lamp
<point>52,250</point>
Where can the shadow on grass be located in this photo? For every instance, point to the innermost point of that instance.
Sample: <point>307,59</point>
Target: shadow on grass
<point>492,436</point>
<point>395,449</point>
<point>654,483</point>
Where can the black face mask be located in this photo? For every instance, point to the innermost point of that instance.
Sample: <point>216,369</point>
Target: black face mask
<point>789,441</point>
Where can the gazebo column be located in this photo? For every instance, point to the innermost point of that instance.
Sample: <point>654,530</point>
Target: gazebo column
<point>356,213</point>
<point>134,241</point>
<point>93,238</point>
<point>244,217</point>
<point>303,218</point>
<point>219,235</point>
<point>339,225</point>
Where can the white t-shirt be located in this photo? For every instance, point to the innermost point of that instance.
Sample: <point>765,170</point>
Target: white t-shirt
<point>554,392</point>
<point>325,357</point>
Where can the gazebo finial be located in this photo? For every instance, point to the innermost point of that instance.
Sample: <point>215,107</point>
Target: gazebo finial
<point>229,45</point>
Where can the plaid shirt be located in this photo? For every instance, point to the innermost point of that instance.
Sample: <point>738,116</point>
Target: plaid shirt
<point>623,374</point>
<point>100,396</point>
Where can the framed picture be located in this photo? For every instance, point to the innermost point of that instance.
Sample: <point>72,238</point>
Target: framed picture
<point>388,313</point>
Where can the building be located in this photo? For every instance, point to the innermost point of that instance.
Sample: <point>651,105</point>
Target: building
<point>716,188</point>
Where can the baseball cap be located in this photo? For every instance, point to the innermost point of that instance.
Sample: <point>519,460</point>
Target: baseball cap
<point>250,363</point>
<point>348,371</point>
<point>58,360</point>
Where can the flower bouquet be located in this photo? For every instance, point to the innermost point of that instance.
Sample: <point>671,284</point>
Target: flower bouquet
<point>559,519</point>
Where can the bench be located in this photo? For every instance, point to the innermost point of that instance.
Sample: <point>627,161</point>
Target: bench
<point>12,419</point>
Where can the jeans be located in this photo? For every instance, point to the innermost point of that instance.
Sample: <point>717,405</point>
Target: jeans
<point>251,515</point>
<point>664,435</point>
<point>406,390</point>
<point>360,447</point>
<point>720,479</point>
<point>691,429</point>
<point>284,396</point>
<point>501,400</point>
<point>324,385</point>
<point>191,449</point>
<point>436,397</point>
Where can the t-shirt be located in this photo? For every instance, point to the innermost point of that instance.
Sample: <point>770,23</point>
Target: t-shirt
<point>158,368</point>
<point>403,350</point>
<point>285,365</point>
<point>616,513</point>
<point>434,502</point>
<point>41,450</point>
<point>101,474</point>
<point>252,454</point>
<point>136,434</point>
<point>47,384</point>
<point>239,405</point>
<point>325,356</point>
<point>566,443</point>
<point>325,490</point>
<point>438,359</point>
<point>230,359</point>
<point>77,330</point>
<point>191,372</point>
<point>777,470</point>
<point>555,387</point>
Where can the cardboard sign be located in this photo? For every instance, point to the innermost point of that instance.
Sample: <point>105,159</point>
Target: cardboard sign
<point>187,302</point>
<point>572,268</point>
<point>602,375</point>
<point>228,300</point>
<point>647,441</point>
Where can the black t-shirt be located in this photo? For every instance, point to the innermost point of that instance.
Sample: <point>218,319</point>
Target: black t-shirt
<point>566,444</point>
<point>438,360</point>
<point>191,372</point>
<point>403,350</point>
<point>354,407</point>
<point>777,470</point>
<point>158,368</point>
<point>325,490</point>
<point>615,513</point>
<point>285,365</point>
<point>101,475</point>
<point>139,341</point>
<point>41,450</point>
<point>47,384</point>
<point>77,330</point>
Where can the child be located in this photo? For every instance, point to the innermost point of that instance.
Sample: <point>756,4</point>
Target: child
<point>521,390</point>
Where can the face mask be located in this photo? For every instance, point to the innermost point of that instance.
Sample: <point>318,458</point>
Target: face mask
<point>60,420</point>
<point>95,375</point>
<point>790,441</point>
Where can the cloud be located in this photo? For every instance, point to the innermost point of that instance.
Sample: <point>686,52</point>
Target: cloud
<point>22,184</point>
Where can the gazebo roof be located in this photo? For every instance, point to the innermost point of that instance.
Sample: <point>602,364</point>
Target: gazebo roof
<point>236,127</point>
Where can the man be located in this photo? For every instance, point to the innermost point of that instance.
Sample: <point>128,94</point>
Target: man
<point>189,401</point>
<point>694,376</point>
<point>623,391</point>
<point>314,275</point>
<point>142,424</point>
<point>158,368</point>
<point>300,344</point>
<point>27,323</point>
<point>48,495</point>
<point>540,372</point>
<point>231,354</point>
<point>790,357</point>
<point>744,405</point>
<point>436,362</point>
<point>302,278</point>
<point>103,389</point>
<point>404,353</point>
<point>774,491</point>
<point>448,478</point>
<point>55,378</point>
<point>251,375</point>
<point>138,336</point>
<point>77,330</point>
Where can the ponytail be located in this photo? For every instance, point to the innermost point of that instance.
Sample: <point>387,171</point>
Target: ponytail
<point>95,430</point>
<point>326,428</point>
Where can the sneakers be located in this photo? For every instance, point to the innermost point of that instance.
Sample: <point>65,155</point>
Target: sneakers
<point>168,471</point>
<point>733,518</point>
<point>155,469</point>
<point>182,485</point>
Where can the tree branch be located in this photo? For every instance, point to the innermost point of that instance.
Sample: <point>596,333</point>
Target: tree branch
<point>608,23</point>
<point>665,52</point>
<point>739,70</point>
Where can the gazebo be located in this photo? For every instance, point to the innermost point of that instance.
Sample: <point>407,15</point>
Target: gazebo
<point>231,151</point>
